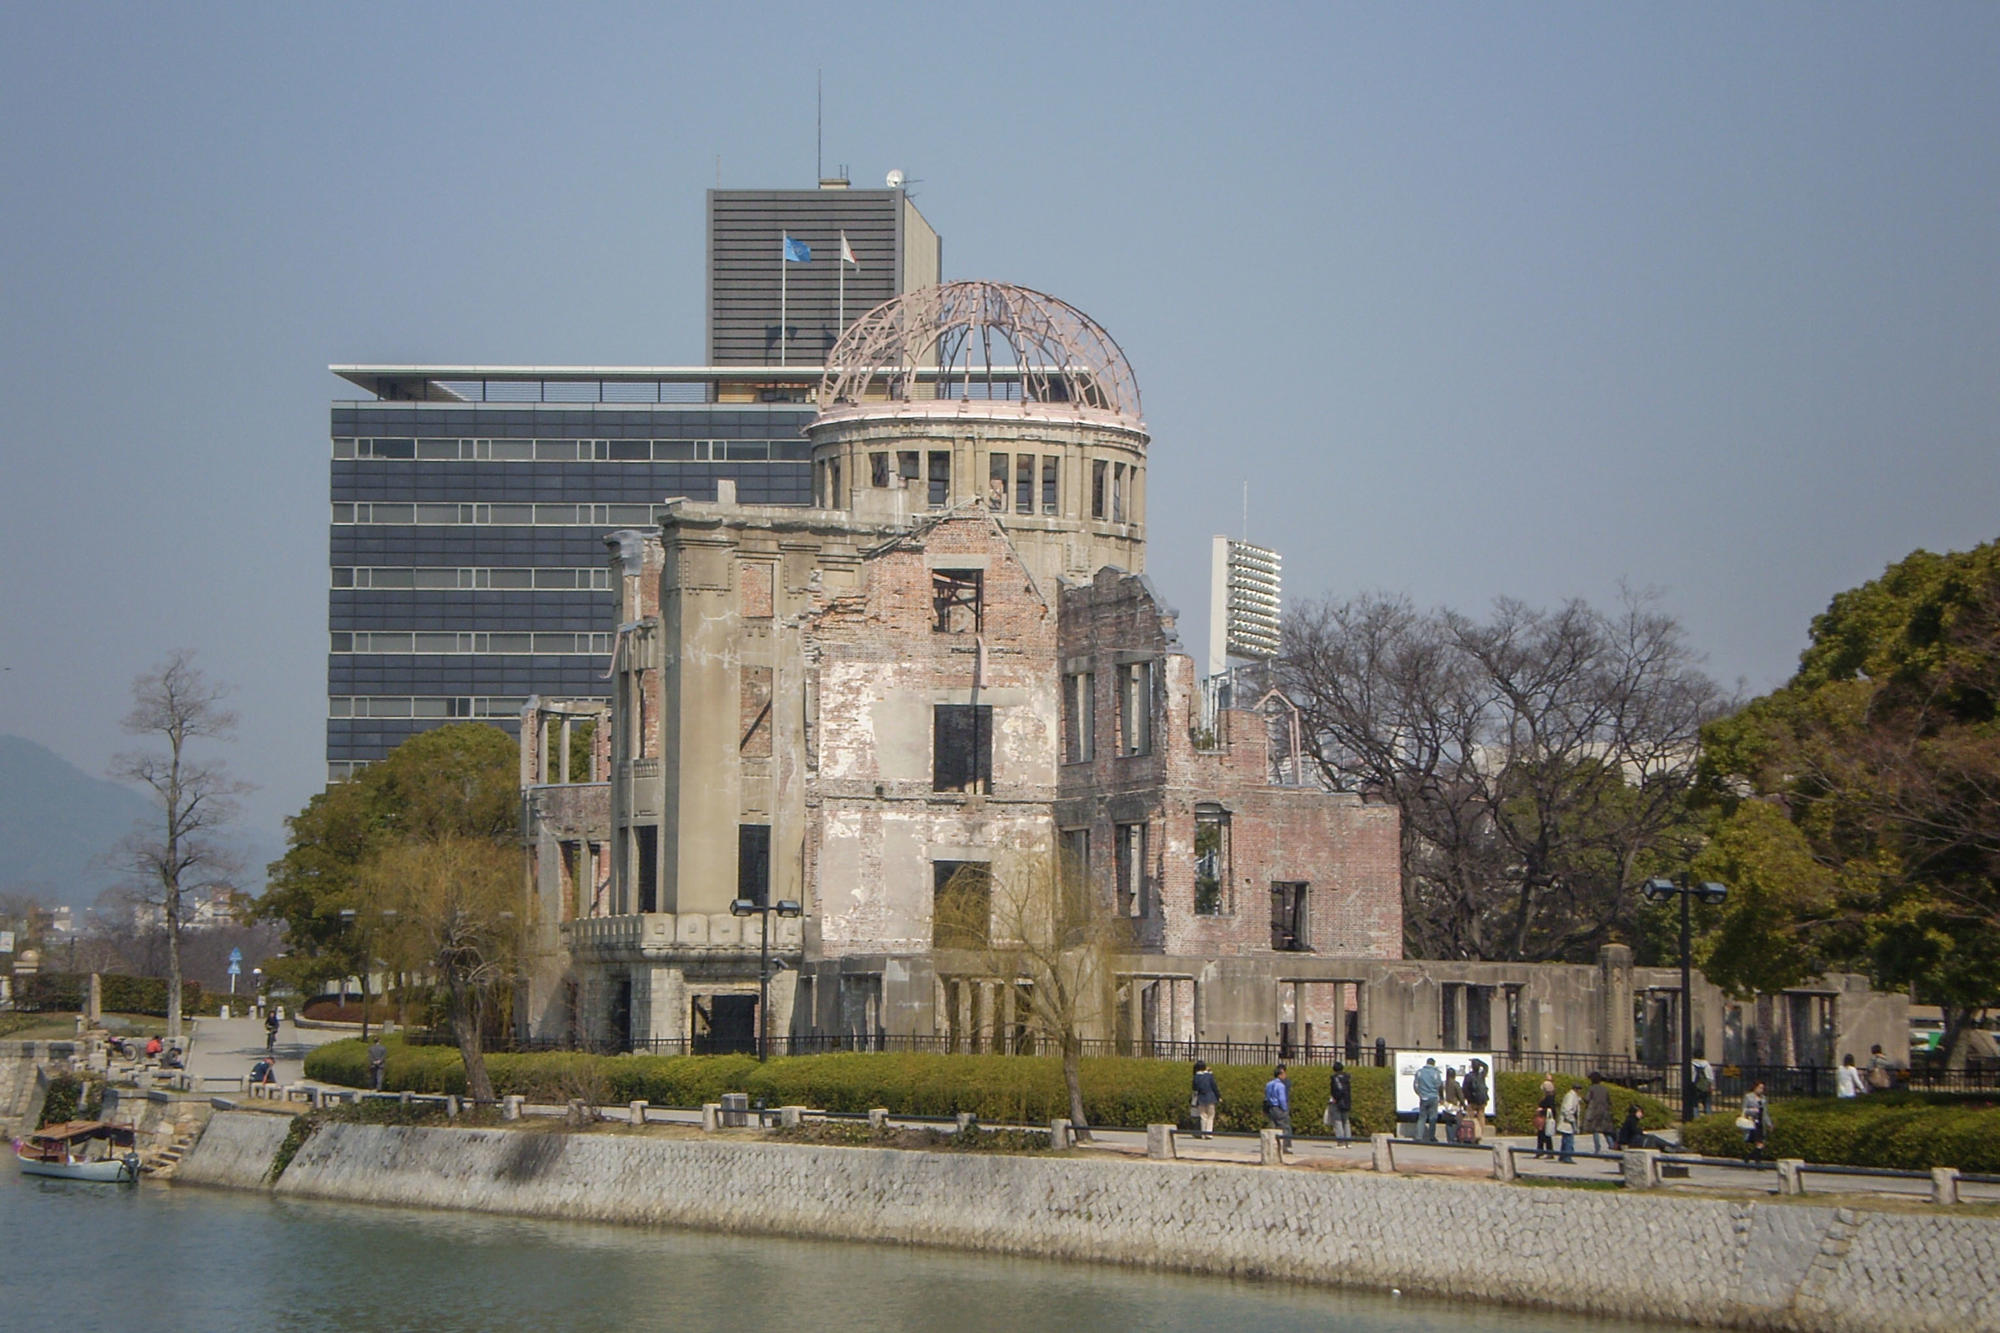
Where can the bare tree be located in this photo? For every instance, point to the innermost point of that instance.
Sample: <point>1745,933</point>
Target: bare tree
<point>177,856</point>
<point>453,899</point>
<point>1540,760</point>
<point>1032,922</point>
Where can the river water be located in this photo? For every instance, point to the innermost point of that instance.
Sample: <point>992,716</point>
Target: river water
<point>87,1257</point>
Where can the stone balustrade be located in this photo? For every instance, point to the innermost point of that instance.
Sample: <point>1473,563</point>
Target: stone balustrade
<point>661,935</point>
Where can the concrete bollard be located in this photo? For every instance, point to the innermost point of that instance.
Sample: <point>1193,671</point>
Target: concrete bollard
<point>314,1098</point>
<point>1160,1142</point>
<point>791,1117</point>
<point>1642,1168</point>
<point>967,1120</point>
<point>451,1106</point>
<point>1384,1146</point>
<point>1270,1148</point>
<point>407,1097</point>
<point>1944,1184</point>
<point>711,1117</point>
<point>1059,1134</point>
<point>1791,1175</point>
<point>878,1118</point>
<point>638,1112</point>
<point>510,1106</point>
<point>1503,1162</point>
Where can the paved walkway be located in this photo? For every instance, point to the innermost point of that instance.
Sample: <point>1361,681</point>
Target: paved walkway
<point>225,1048</point>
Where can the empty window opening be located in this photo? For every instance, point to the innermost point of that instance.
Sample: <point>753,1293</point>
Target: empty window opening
<point>1117,491</point>
<point>1288,917</point>
<point>1079,716</point>
<point>958,600</point>
<point>1135,708</point>
<point>878,470</point>
<point>753,862</point>
<point>996,483</point>
<point>1097,488</point>
<point>1131,869</point>
<point>1073,872</point>
<point>647,839</point>
<point>940,479</point>
<point>1049,466</point>
<point>962,905</point>
<point>1024,484</point>
<point>1211,859</point>
<point>908,469</point>
<point>962,749</point>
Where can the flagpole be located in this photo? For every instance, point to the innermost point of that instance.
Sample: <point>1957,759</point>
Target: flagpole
<point>784,243</point>
<point>840,317</point>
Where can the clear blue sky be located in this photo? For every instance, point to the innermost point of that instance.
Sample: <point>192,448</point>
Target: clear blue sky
<point>1480,301</point>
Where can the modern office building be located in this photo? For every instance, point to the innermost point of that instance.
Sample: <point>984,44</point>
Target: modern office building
<point>469,510</point>
<point>469,503</point>
<point>750,283</point>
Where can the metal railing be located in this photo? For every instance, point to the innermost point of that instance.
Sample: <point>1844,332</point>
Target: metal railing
<point>1730,1081</point>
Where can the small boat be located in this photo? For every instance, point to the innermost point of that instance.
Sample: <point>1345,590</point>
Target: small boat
<point>68,1152</point>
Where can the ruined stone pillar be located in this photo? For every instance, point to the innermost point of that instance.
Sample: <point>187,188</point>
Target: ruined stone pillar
<point>1614,981</point>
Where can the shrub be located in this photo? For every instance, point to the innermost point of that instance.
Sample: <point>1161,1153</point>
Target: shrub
<point>1520,1093</point>
<point>66,992</point>
<point>999,1089</point>
<point>1904,1131</point>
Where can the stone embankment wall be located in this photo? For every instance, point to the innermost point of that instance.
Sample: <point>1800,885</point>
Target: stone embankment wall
<point>23,1082</point>
<point>1752,1265</point>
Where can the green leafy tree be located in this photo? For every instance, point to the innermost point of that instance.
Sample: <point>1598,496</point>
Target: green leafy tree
<point>453,896</point>
<point>1882,754</point>
<point>460,780</point>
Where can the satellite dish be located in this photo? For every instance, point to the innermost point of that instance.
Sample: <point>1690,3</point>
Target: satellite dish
<point>896,180</point>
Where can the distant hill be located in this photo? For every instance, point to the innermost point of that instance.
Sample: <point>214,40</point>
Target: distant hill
<point>58,826</point>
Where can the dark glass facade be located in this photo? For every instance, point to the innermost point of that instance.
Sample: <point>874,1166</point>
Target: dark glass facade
<point>468,565</point>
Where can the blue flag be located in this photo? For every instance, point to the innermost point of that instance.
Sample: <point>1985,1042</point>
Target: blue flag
<point>797,252</point>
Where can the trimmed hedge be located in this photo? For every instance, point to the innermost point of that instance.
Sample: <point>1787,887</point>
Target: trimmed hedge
<point>999,1089</point>
<point>65,992</point>
<point>1904,1131</point>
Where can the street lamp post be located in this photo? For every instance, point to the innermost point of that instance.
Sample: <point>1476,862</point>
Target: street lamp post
<point>1659,890</point>
<point>750,907</point>
<point>351,917</point>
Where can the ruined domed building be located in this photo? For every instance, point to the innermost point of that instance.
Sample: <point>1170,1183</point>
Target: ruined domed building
<point>949,661</point>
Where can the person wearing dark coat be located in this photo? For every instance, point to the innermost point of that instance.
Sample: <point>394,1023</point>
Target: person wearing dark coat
<point>1339,1103</point>
<point>1597,1119</point>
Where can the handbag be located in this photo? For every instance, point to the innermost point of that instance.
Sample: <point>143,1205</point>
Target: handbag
<point>1744,1122</point>
<point>1541,1119</point>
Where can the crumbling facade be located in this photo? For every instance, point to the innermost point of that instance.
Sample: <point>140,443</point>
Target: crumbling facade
<point>950,665</point>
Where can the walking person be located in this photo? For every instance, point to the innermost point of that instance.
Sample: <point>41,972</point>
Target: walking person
<point>1476,1095</point>
<point>378,1063</point>
<point>1567,1115</point>
<point>1704,1087</point>
<point>1339,1103</point>
<point>1429,1086</point>
<point>1278,1107</point>
<point>1848,1080</point>
<point>1205,1099</point>
<point>1597,1118</point>
<point>1545,1121</point>
<point>1755,1122</point>
<point>1881,1070</point>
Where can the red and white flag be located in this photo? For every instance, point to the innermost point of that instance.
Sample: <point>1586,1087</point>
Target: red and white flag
<point>847,252</point>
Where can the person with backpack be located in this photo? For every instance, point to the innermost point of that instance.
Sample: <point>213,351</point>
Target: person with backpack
<point>1477,1094</point>
<point>1339,1104</point>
